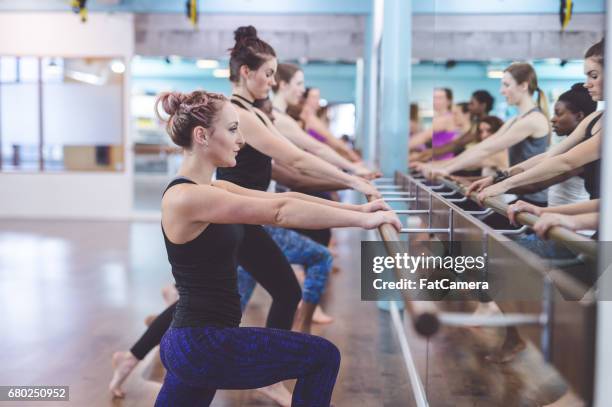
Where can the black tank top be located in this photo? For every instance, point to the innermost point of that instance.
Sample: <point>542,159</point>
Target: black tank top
<point>205,272</point>
<point>591,171</point>
<point>253,169</point>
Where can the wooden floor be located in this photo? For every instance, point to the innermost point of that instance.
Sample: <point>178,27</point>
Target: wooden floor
<point>75,292</point>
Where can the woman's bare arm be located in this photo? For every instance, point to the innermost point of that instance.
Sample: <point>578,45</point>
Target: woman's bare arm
<point>267,140</point>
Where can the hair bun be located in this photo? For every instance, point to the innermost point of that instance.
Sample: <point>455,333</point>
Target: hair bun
<point>244,33</point>
<point>579,87</point>
<point>171,102</point>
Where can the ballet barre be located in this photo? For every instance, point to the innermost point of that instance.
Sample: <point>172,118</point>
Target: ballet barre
<point>577,243</point>
<point>432,313</point>
<point>448,214</point>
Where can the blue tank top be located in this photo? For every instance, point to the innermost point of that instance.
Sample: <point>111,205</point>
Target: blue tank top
<point>527,148</point>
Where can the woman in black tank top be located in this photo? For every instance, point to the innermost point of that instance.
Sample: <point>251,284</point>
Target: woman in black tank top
<point>202,223</point>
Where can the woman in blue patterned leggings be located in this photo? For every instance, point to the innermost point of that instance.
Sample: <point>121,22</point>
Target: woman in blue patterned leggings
<point>245,358</point>
<point>299,249</point>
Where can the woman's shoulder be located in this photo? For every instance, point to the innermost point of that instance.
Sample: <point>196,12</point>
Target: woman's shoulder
<point>537,121</point>
<point>595,115</point>
<point>443,122</point>
<point>186,194</point>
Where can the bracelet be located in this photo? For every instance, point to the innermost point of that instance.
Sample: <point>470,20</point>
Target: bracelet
<point>500,176</point>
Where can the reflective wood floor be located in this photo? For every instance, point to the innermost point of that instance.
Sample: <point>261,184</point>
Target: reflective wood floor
<point>75,292</point>
<point>72,293</point>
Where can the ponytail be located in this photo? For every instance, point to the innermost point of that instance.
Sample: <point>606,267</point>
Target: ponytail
<point>543,105</point>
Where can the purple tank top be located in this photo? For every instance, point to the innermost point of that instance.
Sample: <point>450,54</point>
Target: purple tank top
<point>316,135</point>
<point>442,138</point>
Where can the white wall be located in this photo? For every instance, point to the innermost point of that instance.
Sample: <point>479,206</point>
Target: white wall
<point>70,194</point>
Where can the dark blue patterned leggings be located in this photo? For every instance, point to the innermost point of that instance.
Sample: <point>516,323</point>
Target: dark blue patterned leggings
<point>201,360</point>
<point>298,249</point>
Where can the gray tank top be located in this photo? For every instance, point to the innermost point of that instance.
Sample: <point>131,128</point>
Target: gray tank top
<point>526,149</point>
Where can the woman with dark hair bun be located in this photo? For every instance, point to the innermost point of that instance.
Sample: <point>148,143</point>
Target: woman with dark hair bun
<point>253,67</point>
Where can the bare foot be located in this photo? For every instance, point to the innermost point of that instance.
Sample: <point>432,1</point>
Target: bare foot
<point>170,294</point>
<point>123,364</point>
<point>320,317</point>
<point>513,345</point>
<point>277,392</point>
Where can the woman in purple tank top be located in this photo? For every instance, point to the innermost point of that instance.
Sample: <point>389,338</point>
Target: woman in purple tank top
<point>442,138</point>
<point>443,129</point>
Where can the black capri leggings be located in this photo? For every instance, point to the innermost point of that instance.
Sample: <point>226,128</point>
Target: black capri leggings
<point>265,261</point>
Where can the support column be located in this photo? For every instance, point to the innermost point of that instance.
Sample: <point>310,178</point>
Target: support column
<point>396,58</point>
<point>370,61</point>
<point>603,350</point>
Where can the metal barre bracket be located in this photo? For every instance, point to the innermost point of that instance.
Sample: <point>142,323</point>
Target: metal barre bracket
<point>400,199</point>
<point>449,193</point>
<point>425,230</point>
<point>383,180</point>
<point>400,193</point>
<point>465,198</point>
<point>466,319</point>
<point>518,231</point>
<point>483,212</point>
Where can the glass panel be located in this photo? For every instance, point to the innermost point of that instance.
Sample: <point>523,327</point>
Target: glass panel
<point>19,126</point>
<point>53,69</point>
<point>28,69</point>
<point>82,115</point>
<point>8,69</point>
<point>341,118</point>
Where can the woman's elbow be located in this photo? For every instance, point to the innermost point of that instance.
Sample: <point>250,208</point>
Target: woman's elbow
<point>300,163</point>
<point>280,216</point>
<point>568,163</point>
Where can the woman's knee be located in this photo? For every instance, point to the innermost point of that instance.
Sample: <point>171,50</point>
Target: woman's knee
<point>328,352</point>
<point>322,257</point>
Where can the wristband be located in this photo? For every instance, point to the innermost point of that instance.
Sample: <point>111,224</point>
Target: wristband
<point>500,176</point>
